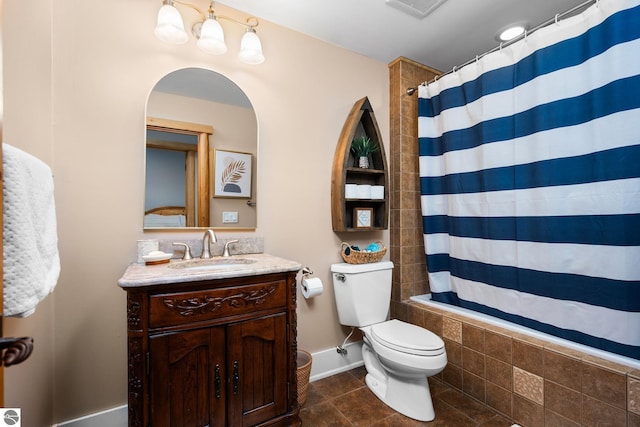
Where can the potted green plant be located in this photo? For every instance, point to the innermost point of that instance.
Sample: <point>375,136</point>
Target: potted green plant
<point>362,147</point>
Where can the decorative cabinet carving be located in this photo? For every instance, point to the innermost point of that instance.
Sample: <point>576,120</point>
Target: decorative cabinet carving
<point>213,353</point>
<point>361,122</point>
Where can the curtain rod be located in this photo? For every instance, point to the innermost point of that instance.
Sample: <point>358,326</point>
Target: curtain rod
<point>583,5</point>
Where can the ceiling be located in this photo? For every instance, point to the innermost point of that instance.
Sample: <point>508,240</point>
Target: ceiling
<point>452,34</point>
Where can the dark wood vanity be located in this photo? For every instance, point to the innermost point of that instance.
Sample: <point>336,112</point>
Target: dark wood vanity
<point>211,351</point>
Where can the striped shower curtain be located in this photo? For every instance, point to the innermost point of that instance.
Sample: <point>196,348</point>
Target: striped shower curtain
<point>530,180</point>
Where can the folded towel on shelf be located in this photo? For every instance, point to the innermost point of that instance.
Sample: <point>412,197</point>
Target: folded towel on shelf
<point>31,263</point>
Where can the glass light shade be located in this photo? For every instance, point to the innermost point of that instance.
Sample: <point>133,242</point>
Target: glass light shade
<point>212,38</point>
<point>251,49</point>
<point>170,28</point>
<point>511,33</point>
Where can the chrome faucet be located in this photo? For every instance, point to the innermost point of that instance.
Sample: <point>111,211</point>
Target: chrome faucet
<point>208,238</point>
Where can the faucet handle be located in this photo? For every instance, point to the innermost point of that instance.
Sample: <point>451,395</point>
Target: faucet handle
<point>187,250</point>
<point>226,253</point>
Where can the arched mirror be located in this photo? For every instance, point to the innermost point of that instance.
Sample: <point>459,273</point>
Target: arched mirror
<point>200,153</point>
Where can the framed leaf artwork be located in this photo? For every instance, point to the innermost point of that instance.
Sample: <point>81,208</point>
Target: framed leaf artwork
<point>232,174</point>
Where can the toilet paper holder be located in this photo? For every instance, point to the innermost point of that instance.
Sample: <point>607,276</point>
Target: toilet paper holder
<point>310,286</point>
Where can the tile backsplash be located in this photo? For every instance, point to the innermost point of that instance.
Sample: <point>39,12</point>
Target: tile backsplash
<point>246,245</point>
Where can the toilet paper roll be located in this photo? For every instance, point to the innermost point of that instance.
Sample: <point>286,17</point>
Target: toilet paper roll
<point>311,287</point>
<point>377,191</point>
<point>364,191</point>
<point>351,191</point>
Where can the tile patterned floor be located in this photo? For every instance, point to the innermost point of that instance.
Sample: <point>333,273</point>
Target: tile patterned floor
<point>344,400</point>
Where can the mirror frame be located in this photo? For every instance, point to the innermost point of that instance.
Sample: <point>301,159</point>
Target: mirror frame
<point>202,132</point>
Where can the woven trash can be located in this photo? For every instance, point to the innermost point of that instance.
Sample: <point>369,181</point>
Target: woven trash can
<point>304,370</point>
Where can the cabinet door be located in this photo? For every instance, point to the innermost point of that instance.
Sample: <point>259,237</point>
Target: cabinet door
<point>257,366</point>
<point>187,377</point>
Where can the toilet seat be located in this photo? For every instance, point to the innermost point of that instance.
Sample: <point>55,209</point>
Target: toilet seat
<point>407,338</point>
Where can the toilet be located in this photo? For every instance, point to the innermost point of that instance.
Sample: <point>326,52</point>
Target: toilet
<point>398,356</point>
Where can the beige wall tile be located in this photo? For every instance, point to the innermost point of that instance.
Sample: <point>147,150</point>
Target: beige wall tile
<point>596,413</point>
<point>452,375</point>
<point>416,315</point>
<point>452,329</point>
<point>473,361</point>
<point>607,364</point>
<point>551,419</point>
<point>474,386</point>
<point>633,395</point>
<point>433,322</point>
<point>563,401</point>
<point>528,357</point>
<point>499,398</point>
<point>527,413</point>
<point>633,420</point>
<point>563,369</point>
<point>454,352</point>
<point>604,385</point>
<point>473,337</point>
<point>528,385</point>
<point>498,346</point>
<point>499,373</point>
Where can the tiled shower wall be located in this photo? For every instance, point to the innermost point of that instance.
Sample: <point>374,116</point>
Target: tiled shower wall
<point>533,382</point>
<point>406,247</point>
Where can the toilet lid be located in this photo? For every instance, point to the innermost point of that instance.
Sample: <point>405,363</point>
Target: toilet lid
<point>407,338</point>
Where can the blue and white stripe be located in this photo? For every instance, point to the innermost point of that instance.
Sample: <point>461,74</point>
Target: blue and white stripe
<point>530,180</point>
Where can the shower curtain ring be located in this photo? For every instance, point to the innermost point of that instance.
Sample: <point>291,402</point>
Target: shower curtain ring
<point>556,19</point>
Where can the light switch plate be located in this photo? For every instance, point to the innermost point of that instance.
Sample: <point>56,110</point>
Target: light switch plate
<point>229,217</point>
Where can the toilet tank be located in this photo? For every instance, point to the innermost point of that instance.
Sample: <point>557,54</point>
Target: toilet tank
<point>362,292</point>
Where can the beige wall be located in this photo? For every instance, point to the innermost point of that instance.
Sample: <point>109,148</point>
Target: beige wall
<point>28,110</point>
<point>77,76</point>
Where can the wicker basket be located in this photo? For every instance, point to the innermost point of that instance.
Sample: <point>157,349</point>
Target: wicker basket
<point>304,370</point>
<point>360,257</point>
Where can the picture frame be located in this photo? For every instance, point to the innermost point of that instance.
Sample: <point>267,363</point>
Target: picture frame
<point>363,218</point>
<point>232,174</point>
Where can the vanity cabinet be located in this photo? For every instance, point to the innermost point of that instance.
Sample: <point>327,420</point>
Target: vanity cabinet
<point>360,122</point>
<point>213,352</point>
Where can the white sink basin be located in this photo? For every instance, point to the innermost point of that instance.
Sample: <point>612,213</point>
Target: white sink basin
<point>214,264</point>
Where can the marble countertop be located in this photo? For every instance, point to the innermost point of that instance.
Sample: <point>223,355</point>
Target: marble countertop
<point>137,275</point>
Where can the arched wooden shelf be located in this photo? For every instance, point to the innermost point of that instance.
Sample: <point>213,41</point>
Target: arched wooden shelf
<point>360,122</point>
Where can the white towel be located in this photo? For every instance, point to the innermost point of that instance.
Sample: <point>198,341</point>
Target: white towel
<point>30,253</point>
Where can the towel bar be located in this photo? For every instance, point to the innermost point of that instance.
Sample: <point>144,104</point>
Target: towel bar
<point>17,350</point>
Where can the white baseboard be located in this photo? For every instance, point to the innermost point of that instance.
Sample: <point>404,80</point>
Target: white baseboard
<point>328,362</point>
<point>324,364</point>
<point>114,417</point>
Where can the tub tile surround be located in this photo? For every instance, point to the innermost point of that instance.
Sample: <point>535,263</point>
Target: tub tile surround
<point>532,382</point>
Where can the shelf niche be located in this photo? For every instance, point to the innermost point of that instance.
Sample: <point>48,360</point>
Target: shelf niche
<point>360,122</point>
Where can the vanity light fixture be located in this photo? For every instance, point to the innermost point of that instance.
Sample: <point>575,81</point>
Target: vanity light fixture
<point>208,31</point>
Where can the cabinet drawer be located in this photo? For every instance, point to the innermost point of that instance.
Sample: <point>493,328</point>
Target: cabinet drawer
<point>188,307</point>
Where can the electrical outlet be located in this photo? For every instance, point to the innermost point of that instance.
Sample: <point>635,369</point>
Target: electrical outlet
<point>229,217</point>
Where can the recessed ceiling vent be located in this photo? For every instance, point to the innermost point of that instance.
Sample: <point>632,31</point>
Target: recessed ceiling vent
<point>416,8</point>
